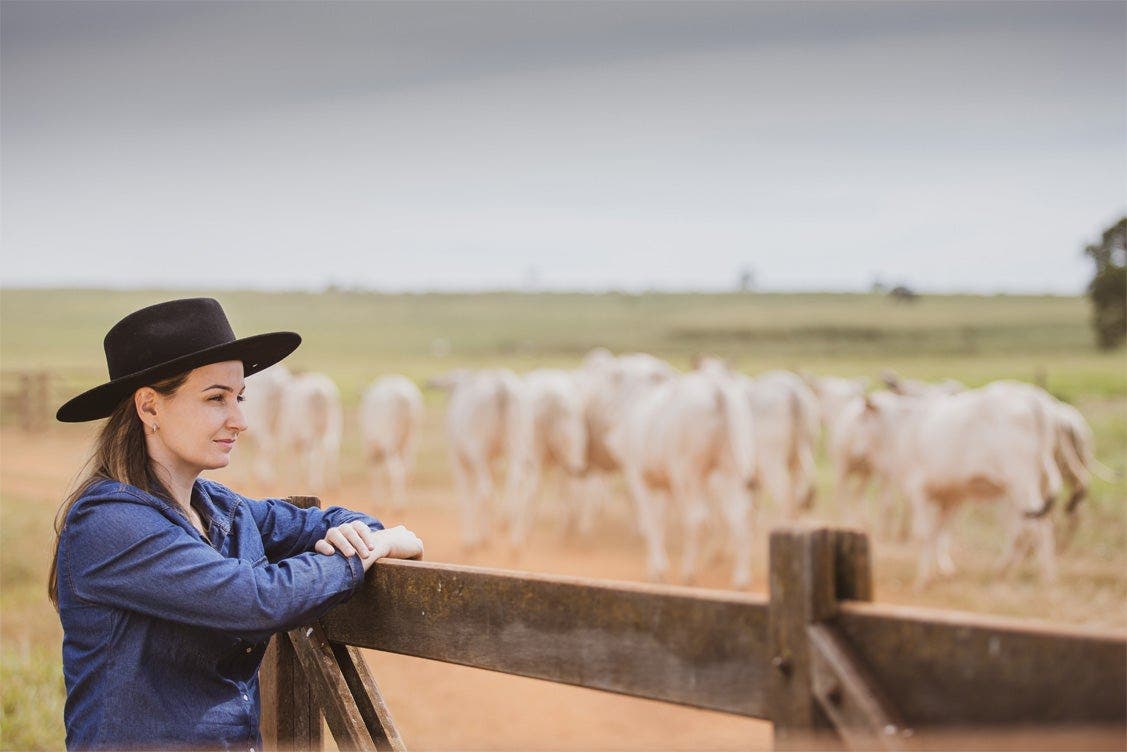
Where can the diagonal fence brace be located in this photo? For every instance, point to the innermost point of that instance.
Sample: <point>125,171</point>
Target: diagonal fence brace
<point>350,700</point>
<point>849,696</point>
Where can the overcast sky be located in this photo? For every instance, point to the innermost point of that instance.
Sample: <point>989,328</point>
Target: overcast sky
<point>592,145</point>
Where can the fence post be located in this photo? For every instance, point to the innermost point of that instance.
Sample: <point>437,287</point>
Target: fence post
<point>291,713</point>
<point>810,570</point>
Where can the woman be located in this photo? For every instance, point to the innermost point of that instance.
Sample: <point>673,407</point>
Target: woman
<point>169,586</point>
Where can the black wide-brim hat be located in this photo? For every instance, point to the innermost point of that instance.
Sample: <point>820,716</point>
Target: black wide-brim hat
<point>168,339</point>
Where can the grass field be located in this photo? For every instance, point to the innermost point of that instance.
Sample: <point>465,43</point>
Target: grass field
<point>355,337</point>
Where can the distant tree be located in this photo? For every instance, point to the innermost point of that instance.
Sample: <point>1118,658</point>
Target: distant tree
<point>903,294</point>
<point>1108,288</point>
<point>747,279</point>
<point>878,287</point>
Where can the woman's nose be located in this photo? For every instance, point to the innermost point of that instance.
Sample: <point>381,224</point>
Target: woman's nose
<point>237,419</point>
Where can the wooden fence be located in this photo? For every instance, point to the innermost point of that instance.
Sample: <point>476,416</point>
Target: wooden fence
<point>28,398</point>
<point>816,658</point>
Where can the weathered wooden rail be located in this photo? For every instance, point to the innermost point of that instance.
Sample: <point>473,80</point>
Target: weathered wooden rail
<point>816,658</point>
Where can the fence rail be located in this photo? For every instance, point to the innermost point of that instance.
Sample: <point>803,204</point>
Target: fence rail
<point>815,658</point>
<point>685,646</point>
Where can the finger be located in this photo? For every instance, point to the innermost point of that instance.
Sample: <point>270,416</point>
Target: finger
<point>357,541</point>
<point>366,534</point>
<point>324,547</point>
<point>336,537</point>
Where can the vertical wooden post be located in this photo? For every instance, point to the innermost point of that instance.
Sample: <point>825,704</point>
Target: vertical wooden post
<point>291,715</point>
<point>26,406</point>
<point>810,570</point>
<point>41,400</point>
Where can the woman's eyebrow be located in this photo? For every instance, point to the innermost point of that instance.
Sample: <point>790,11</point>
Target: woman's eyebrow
<point>223,387</point>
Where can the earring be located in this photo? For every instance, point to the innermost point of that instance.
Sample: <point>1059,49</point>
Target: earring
<point>155,428</point>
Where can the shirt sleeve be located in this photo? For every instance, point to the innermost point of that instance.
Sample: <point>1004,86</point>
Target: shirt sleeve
<point>128,555</point>
<point>288,530</point>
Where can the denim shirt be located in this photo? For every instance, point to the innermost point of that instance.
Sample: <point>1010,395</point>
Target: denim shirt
<point>163,630</point>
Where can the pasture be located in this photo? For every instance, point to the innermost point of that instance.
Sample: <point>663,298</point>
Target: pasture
<point>354,337</point>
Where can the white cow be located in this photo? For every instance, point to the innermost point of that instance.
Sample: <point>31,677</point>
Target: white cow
<point>979,445</point>
<point>391,419</point>
<point>1073,448</point>
<point>551,431</point>
<point>674,437</point>
<point>482,417</point>
<point>786,414</point>
<point>854,470</point>
<point>854,465</point>
<point>833,394</point>
<point>606,383</point>
<point>309,428</point>
<point>262,406</point>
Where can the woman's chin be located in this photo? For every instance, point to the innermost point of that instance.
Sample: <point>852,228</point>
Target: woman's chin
<point>219,462</point>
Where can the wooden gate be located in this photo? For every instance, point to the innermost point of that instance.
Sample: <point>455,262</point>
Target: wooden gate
<point>816,658</point>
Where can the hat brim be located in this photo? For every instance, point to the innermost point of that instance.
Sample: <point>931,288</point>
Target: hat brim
<point>257,352</point>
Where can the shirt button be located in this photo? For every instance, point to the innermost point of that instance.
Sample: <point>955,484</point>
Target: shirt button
<point>248,650</point>
<point>246,698</point>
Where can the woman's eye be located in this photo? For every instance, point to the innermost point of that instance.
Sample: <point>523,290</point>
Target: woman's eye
<point>216,398</point>
<point>241,398</point>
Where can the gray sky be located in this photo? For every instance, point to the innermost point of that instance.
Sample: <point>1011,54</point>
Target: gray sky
<point>950,146</point>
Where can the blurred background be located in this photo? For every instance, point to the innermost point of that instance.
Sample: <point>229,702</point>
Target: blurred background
<point>845,189</point>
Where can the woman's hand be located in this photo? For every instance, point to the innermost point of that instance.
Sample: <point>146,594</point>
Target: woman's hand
<point>357,539</point>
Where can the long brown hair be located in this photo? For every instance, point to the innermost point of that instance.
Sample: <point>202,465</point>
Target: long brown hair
<point>120,454</point>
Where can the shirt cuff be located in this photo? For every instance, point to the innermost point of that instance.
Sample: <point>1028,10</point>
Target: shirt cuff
<point>356,570</point>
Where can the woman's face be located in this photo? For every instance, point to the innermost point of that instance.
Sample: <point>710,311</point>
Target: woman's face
<point>199,423</point>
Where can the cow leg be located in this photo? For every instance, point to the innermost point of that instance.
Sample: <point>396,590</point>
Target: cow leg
<point>944,561</point>
<point>1014,526</point>
<point>334,462</point>
<point>397,480</point>
<point>374,481</point>
<point>471,515</point>
<point>651,521</point>
<point>315,466</point>
<point>690,498</point>
<point>926,528</point>
<point>903,532</point>
<point>596,491</point>
<point>803,476</point>
<point>1046,548</point>
<point>886,510</point>
<point>736,506</point>
<point>776,481</point>
<point>572,490</point>
<point>524,480</point>
<point>848,495</point>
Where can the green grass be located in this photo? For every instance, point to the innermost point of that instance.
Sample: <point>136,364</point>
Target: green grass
<point>32,699</point>
<point>355,336</point>
<point>31,674</point>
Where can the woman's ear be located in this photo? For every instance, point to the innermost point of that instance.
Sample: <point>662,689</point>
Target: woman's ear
<point>145,401</point>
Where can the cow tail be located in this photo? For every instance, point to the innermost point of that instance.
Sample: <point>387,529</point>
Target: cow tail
<point>1046,436</point>
<point>1071,457</point>
<point>738,430</point>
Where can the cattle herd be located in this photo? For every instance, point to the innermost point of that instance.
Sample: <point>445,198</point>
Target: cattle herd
<point>693,445</point>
